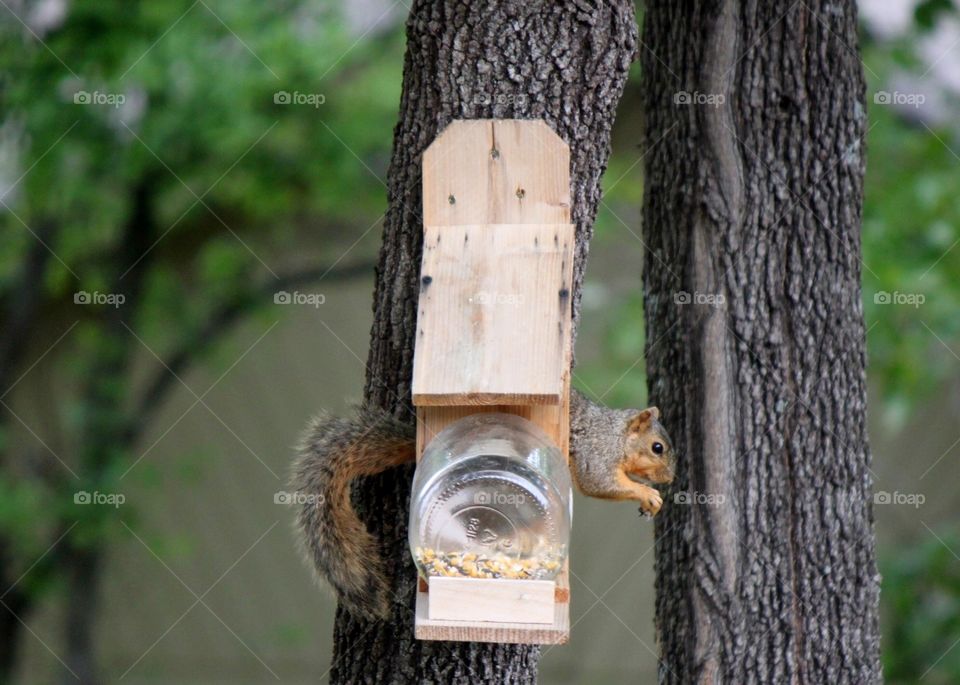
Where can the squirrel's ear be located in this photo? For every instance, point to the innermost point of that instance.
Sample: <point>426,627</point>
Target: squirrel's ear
<point>639,422</point>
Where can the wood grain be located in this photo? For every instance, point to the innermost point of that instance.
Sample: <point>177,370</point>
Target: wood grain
<point>493,320</point>
<point>460,162</point>
<point>491,600</point>
<point>487,171</point>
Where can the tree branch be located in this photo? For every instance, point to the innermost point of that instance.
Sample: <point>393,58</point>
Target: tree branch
<point>22,303</point>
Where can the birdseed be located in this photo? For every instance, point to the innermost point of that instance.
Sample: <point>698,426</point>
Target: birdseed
<point>473,565</point>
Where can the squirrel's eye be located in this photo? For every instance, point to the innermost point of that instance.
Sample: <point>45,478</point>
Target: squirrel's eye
<point>657,448</point>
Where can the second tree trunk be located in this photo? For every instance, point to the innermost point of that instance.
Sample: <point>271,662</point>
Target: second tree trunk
<point>765,558</point>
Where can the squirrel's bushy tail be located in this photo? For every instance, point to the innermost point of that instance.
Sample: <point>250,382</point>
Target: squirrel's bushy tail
<point>332,452</point>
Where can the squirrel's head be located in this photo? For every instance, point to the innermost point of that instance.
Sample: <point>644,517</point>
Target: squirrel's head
<point>649,452</point>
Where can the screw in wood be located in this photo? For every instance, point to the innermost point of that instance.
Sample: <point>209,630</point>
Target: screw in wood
<point>452,200</point>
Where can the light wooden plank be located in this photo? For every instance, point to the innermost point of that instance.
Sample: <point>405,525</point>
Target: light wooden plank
<point>487,599</point>
<point>494,314</point>
<point>489,171</point>
<point>556,633</point>
<point>552,419</point>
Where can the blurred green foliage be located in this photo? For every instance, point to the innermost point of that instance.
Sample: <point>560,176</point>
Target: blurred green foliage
<point>172,153</point>
<point>921,607</point>
<point>911,214</point>
<point>911,246</point>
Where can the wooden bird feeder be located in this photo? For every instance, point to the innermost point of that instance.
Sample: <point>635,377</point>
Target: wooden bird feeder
<point>494,336</point>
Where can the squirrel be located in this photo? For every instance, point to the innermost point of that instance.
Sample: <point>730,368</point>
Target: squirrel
<point>615,454</point>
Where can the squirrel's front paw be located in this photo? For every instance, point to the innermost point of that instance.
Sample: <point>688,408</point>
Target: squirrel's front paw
<point>650,502</point>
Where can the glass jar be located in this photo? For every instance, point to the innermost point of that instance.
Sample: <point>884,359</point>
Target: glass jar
<point>491,499</point>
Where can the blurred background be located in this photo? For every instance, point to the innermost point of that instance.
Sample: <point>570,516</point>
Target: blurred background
<point>225,162</point>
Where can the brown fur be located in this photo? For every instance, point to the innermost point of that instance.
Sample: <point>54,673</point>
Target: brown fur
<point>610,453</point>
<point>332,452</point>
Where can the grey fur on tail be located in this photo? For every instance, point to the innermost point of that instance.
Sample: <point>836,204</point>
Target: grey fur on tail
<point>331,453</point>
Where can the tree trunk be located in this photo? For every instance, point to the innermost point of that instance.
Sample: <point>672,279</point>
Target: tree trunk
<point>564,62</point>
<point>104,437</point>
<point>14,607</point>
<point>765,556</point>
<point>20,309</point>
<point>82,607</point>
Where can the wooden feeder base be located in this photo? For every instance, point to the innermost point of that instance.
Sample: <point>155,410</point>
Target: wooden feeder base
<point>467,597</point>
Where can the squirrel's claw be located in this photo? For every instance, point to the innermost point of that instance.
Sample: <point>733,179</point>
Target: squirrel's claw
<point>650,503</point>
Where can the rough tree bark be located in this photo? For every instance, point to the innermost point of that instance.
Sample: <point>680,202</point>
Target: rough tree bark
<point>756,200</point>
<point>564,62</point>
